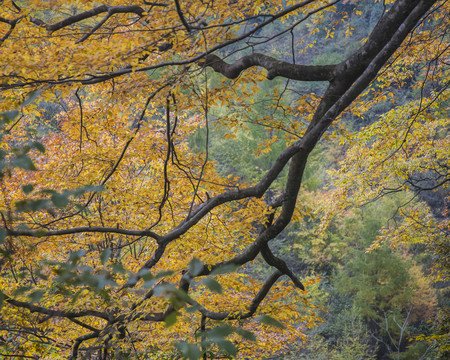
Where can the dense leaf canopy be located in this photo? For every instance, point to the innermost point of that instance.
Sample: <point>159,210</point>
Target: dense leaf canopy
<point>120,235</point>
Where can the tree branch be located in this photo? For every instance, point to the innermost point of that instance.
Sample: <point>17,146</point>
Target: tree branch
<point>12,24</point>
<point>273,66</point>
<point>83,229</point>
<point>124,9</point>
<point>278,263</point>
<point>232,315</point>
<point>181,16</point>
<point>56,313</point>
<point>78,342</point>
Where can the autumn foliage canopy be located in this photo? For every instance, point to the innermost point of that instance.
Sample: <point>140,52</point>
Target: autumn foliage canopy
<point>120,238</point>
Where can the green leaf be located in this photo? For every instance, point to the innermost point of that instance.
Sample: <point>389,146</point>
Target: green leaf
<point>195,267</point>
<point>9,115</point>
<point>178,298</point>
<point>27,188</point>
<point>248,335</point>
<point>48,191</point>
<point>41,275</point>
<point>224,269</point>
<point>192,309</point>
<point>163,290</point>
<point>31,97</point>
<point>86,189</point>
<point>24,162</point>
<point>213,285</point>
<point>227,347</point>
<point>60,200</point>
<point>33,205</point>
<point>189,351</point>
<point>219,333</point>
<point>117,267</point>
<point>268,320</point>
<point>171,319</point>
<point>22,289</point>
<point>145,274</point>
<point>76,256</point>
<point>163,274</point>
<point>105,255</point>
<point>38,146</point>
<point>36,296</point>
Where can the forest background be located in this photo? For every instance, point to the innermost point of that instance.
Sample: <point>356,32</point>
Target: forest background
<point>114,147</point>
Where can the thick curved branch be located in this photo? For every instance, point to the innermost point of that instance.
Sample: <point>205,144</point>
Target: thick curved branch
<point>124,9</point>
<point>278,263</point>
<point>78,342</point>
<point>273,66</point>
